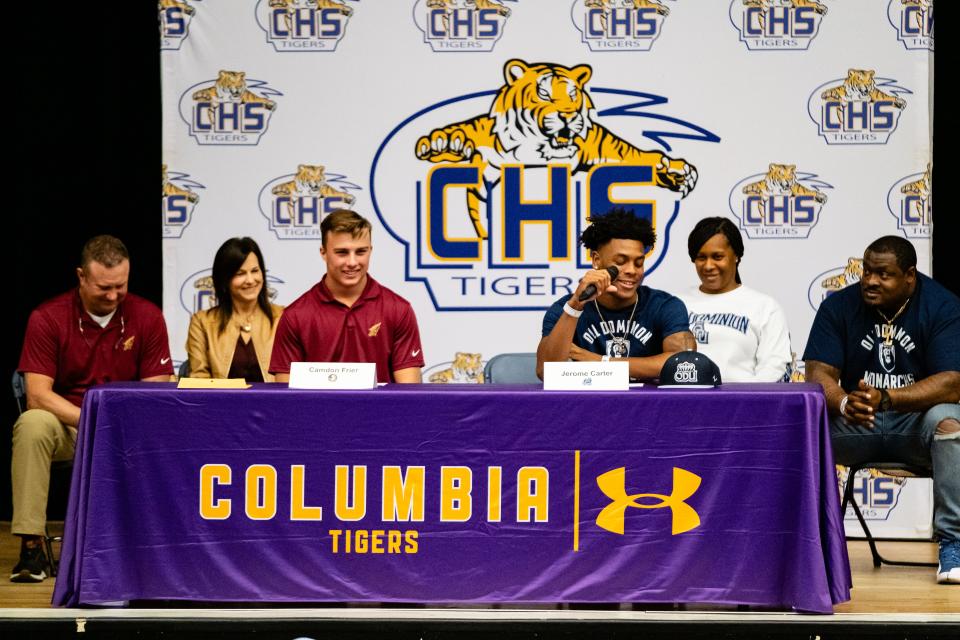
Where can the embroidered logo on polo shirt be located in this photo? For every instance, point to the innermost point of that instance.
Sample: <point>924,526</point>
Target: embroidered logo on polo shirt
<point>128,343</point>
<point>374,329</point>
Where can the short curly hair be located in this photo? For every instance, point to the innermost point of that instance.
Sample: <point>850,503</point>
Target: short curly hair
<point>618,223</point>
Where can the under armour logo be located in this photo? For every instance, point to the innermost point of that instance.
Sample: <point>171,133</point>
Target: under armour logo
<point>613,484</point>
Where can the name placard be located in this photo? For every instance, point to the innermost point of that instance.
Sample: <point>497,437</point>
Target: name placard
<point>586,376</point>
<point>333,375</point>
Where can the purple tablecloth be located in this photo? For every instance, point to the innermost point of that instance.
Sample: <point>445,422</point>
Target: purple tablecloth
<point>472,494</point>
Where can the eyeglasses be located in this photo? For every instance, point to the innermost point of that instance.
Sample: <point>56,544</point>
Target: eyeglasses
<point>123,330</point>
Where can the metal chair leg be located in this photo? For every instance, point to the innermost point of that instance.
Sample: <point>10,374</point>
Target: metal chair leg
<point>877,558</point>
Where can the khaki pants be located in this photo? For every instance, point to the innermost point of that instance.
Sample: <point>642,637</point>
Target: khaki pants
<point>38,439</point>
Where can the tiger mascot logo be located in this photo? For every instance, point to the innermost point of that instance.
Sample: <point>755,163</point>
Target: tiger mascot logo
<point>542,114</point>
<point>230,86</point>
<point>466,368</point>
<point>833,280</point>
<point>858,86</point>
<point>777,24</point>
<point>625,25</point>
<point>170,189</point>
<point>461,25</point>
<point>913,21</point>
<point>175,17</point>
<point>909,201</point>
<point>309,182</point>
<point>177,201</point>
<point>851,273</point>
<point>781,204</point>
<point>295,204</point>
<point>857,109</point>
<point>228,110</point>
<point>781,180</point>
<point>303,25</point>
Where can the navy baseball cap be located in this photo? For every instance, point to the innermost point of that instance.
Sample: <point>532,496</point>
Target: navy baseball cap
<point>691,370</point>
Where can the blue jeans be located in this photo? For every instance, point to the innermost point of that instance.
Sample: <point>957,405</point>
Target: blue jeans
<point>910,438</point>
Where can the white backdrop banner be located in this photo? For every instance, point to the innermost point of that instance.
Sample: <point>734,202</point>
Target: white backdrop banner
<point>808,123</point>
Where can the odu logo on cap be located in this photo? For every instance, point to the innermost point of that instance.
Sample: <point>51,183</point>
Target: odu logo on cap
<point>780,203</point>
<point>175,17</point>
<point>913,20</point>
<point>231,110</point>
<point>910,203</point>
<point>504,180</point>
<point>777,24</point>
<point>461,25</point>
<point>303,25</point>
<point>295,203</point>
<point>177,202</point>
<point>858,109</point>
<point>612,25</point>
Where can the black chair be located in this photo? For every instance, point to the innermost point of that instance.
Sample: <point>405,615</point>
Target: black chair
<point>20,395</point>
<point>184,371</point>
<point>511,368</point>
<point>896,469</point>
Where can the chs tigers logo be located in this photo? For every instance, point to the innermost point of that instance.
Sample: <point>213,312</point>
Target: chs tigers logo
<point>465,368</point>
<point>175,18</point>
<point>501,197</point>
<point>461,25</point>
<point>766,25</point>
<point>876,493</point>
<point>858,109</point>
<point>834,280</point>
<point>779,203</point>
<point>619,25</point>
<point>177,202</point>
<point>230,110</point>
<point>295,203</point>
<point>913,20</point>
<point>909,201</point>
<point>197,294</point>
<point>303,25</point>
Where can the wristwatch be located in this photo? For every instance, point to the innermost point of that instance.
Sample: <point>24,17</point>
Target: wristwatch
<point>885,402</point>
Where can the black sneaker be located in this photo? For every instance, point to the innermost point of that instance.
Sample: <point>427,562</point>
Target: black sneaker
<point>32,565</point>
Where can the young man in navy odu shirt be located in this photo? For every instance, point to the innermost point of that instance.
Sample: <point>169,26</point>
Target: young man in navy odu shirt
<point>622,320</point>
<point>893,343</point>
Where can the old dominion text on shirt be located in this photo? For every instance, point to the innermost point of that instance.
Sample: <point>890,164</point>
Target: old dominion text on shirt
<point>603,331</point>
<point>924,340</point>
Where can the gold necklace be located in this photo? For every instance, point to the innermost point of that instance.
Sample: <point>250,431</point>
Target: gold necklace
<point>886,331</point>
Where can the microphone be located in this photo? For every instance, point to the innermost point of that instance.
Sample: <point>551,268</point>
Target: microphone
<point>591,290</point>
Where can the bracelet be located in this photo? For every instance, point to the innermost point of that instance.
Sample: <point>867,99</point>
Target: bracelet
<point>843,406</point>
<point>604,358</point>
<point>570,311</point>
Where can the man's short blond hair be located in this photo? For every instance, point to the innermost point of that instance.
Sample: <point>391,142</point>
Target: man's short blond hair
<point>344,221</point>
<point>106,250</point>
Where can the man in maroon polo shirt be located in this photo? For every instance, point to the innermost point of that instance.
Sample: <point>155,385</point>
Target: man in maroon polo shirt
<point>93,334</point>
<point>348,316</point>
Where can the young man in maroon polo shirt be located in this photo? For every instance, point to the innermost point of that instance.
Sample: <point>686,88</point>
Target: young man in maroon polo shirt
<point>348,316</point>
<point>93,334</point>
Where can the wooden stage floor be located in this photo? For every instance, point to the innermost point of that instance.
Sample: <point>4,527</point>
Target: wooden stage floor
<point>888,590</point>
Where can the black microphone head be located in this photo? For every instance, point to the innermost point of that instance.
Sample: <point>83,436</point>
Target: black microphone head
<point>613,271</point>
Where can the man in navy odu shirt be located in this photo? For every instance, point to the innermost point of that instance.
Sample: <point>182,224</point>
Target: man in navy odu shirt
<point>893,343</point>
<point>622,320</point>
